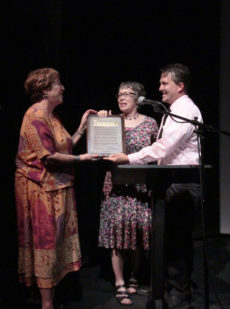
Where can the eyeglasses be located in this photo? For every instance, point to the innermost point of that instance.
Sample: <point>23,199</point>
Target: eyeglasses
<point>125,94</point>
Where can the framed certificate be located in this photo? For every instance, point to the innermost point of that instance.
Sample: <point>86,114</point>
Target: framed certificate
<point>105,135</point>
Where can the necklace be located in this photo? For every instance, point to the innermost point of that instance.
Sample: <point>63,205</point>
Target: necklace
<point>132,118</point>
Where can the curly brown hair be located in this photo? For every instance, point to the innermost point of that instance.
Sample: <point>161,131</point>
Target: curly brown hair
<point>39,80</point>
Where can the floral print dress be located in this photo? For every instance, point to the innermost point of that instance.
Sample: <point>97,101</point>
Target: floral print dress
<point>125,209</point>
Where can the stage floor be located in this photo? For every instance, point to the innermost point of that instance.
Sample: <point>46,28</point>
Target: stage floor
<point>92,288</point>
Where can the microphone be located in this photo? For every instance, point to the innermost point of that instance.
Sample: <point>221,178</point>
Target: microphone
<point>143,101</point>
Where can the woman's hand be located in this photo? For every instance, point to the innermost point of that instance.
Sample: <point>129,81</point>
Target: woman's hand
<point>118,158</point>
<point>83,123</point>
<point>104,113</point>
<point>88,157</point>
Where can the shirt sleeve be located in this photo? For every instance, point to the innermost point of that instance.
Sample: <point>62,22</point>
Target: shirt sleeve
<point>175,134</point>
<point>39,135</point>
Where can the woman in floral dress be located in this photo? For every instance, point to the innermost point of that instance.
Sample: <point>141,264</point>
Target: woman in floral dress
<point>125,218</point>
<point>48,237</point>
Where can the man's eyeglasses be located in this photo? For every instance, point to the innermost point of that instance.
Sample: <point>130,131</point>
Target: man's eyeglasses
<point>125,94</point>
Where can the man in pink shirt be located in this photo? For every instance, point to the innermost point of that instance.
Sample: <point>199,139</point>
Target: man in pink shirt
<point>177,144</point>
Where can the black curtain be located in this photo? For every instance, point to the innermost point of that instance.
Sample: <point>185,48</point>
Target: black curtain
<point>96,45</point>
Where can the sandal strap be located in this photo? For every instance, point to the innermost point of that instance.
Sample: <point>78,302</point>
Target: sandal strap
<point>120,294</point>
<point>133,283</point>
<point>117,287</point>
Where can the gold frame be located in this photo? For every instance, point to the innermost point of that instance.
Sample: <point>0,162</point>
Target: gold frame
<point>105,135</point>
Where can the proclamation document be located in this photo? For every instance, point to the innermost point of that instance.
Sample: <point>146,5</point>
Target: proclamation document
<point>105,135</point>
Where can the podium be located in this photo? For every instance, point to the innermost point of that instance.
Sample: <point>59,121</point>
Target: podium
<point>158,178</point>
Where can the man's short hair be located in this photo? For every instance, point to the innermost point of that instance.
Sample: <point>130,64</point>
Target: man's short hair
<point>179,73</point>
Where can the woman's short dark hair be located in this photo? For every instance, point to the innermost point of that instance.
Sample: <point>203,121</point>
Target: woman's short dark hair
<point>137,87</point>
<point>39,80</point>
<point>179,73</point>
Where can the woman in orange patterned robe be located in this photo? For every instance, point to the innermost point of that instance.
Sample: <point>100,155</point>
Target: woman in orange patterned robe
<point>44,188</point>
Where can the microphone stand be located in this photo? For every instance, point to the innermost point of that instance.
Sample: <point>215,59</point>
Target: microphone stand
<point>200,128</point>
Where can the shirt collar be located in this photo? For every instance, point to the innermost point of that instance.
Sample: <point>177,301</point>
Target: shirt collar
<point>178,101</point>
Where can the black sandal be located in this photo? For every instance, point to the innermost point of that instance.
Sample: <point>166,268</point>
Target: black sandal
<point>121,295</point>
<point>132,284</point>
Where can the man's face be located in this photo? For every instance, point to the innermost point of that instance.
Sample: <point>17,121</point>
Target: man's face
<point>169,89</point>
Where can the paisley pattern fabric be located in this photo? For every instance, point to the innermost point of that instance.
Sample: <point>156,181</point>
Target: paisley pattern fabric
<point>125,209</point>
<point>39,137</point>
<point>48,237</point>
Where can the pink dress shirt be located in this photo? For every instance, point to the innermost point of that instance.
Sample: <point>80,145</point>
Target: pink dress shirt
<point>178,144</point>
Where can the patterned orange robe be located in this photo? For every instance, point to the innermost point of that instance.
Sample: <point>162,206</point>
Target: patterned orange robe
<point>48,237</point>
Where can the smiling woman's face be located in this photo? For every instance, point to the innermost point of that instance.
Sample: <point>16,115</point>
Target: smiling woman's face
<point>55,93</point>
<point>127,100</point>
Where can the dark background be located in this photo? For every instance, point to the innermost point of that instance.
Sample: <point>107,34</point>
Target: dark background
<point>95,45</point>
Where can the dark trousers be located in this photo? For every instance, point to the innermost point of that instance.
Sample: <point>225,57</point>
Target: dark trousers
<point>182,200</point>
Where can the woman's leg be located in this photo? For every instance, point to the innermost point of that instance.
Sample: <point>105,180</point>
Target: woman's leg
<point>118,265</point>
<point>47,296</point>
<point>135,265</point>
<point>136,260</point>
